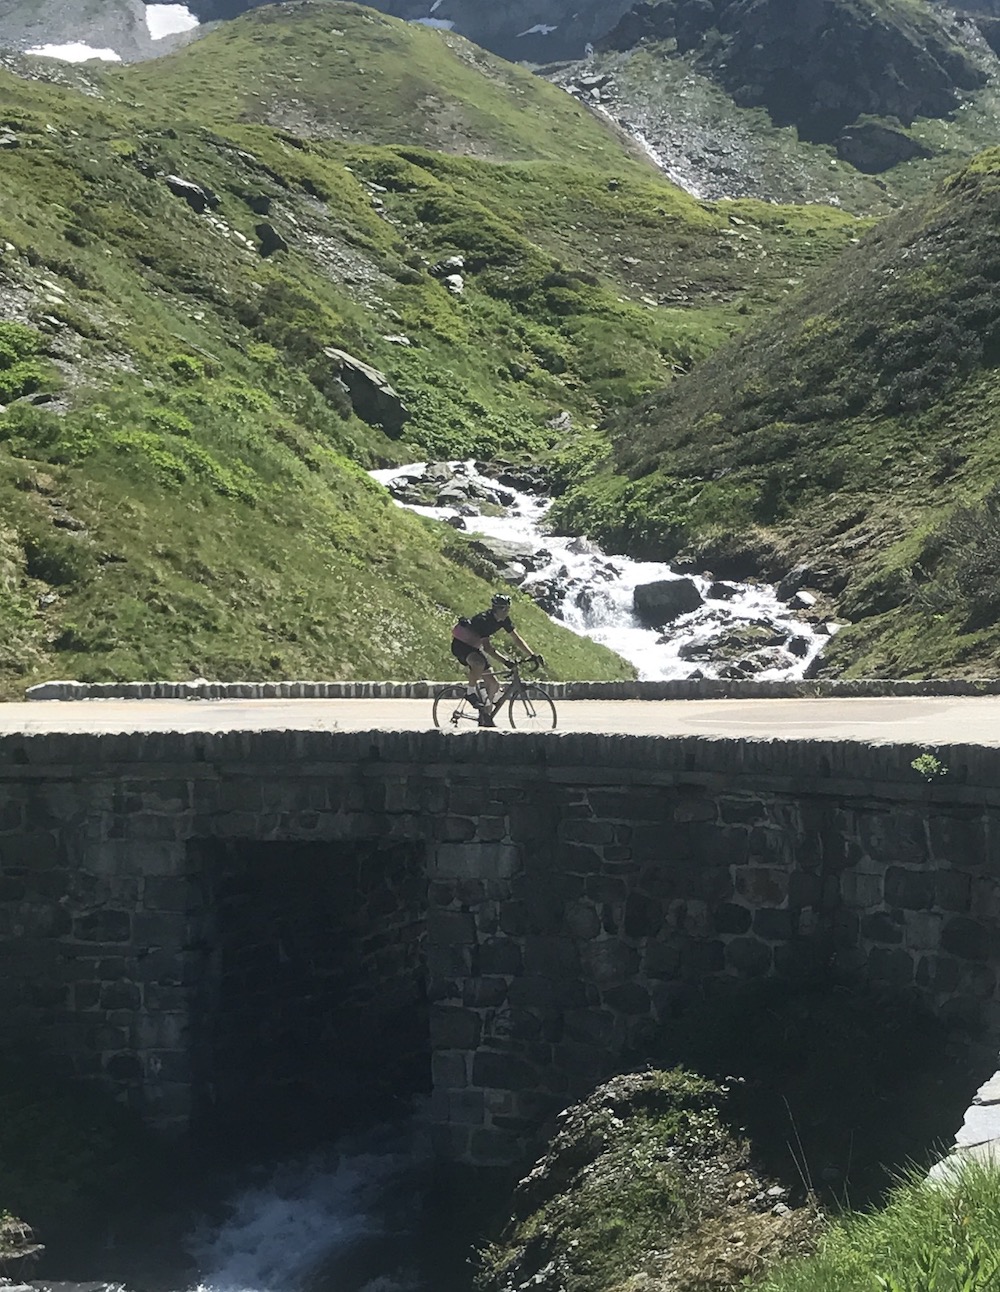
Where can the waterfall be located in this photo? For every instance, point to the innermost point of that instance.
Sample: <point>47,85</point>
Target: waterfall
<point>344,1219</point>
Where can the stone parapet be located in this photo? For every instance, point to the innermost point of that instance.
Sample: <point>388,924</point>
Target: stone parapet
<point>681,689</point>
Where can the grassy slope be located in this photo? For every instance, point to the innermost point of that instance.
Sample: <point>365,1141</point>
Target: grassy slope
<point>846,433</point>
<point>340,71</point>
<point>925,1238</point>
<point>197,433</point>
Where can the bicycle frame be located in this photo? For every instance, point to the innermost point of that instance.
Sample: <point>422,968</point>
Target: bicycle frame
<point>510,685</point>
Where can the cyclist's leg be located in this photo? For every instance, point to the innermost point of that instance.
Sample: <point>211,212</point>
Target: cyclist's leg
<point>479,672</point>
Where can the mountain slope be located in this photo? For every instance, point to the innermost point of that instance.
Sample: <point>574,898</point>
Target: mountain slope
<point>855,435</point>
<point>864,105</point>
<point>337,70</point>
<point>817,64</point>
<point>190,499</point>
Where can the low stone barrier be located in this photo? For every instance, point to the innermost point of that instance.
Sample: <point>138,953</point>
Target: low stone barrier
<point>682,689</point>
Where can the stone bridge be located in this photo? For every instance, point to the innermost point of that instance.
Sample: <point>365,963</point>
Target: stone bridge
<point>232,927</point>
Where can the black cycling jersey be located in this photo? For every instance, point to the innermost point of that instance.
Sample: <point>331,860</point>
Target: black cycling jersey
<point>486,624</point>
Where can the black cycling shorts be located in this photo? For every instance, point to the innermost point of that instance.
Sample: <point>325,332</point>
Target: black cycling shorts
<point>462,652</point>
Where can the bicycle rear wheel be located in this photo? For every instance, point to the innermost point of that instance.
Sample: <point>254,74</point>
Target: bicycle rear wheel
<point>532,709</point>
<point>452,710</point>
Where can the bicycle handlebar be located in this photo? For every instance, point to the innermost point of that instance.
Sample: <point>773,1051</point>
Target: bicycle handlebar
<point>534,662</point>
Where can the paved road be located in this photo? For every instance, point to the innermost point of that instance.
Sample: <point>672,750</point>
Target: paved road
<point>919,720</point>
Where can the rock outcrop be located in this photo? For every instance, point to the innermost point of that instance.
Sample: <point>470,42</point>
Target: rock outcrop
<point>18,1246</point>
<point>371,396</point>
<point>645,1176</point>
<point>814,64</point>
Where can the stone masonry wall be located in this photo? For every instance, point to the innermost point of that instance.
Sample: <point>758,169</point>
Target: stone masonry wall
<point>575,889</point>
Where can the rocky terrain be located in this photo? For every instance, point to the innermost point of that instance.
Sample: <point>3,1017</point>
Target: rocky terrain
<point>707,90</point>
<point>111,26</point>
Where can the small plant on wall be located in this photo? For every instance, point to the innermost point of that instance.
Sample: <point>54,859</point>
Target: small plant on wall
<point>929,767</point>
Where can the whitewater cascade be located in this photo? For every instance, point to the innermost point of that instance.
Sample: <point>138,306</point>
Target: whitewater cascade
<point>339,1221</point>
<point>593,593</point>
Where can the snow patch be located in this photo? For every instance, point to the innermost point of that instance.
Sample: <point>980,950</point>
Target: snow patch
<point>75,52</point>
<point>169,19</point>
<point>440,24</point>
<point>435,6</point>
<point>539,29</point>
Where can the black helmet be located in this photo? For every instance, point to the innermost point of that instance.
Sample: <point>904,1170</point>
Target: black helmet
<point>501,599</point>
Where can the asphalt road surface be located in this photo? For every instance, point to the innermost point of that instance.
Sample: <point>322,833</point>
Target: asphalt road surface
<point>924,720</point>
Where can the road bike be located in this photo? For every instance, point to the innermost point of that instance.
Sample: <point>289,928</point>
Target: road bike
<point>529,707</point>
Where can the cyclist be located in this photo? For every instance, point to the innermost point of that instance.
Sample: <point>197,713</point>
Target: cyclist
<point>470,644</point>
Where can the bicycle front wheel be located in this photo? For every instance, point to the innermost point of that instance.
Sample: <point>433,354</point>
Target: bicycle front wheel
<point>452,710</point>
<point>532,710</point>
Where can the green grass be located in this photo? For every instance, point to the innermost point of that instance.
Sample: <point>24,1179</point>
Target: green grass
<point>927,1239</point>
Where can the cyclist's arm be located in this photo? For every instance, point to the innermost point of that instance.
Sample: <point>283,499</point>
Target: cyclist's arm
<point>520,643</point>
<point>488,648</point>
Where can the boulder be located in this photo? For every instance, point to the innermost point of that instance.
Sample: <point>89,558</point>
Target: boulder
<point>720,591</point>
<point>764,659</point>
<point>547,594</point>
<point>17,1243</point>
<point>371,396</point>
<point>876,146</point>
<point>561,422</point>
<point>524,479</point>
<point>450,265</point>
<point>502,552</point>
<point>661,602</point>
<point>735,643</point>
<point>453,494</point>
<point>199,198</point>
<point>797,577</point>
<point>270,239</point>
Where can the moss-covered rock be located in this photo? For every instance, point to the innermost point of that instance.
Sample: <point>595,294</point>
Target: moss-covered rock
<point>644,1186</point>
<point>18,1247</point>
